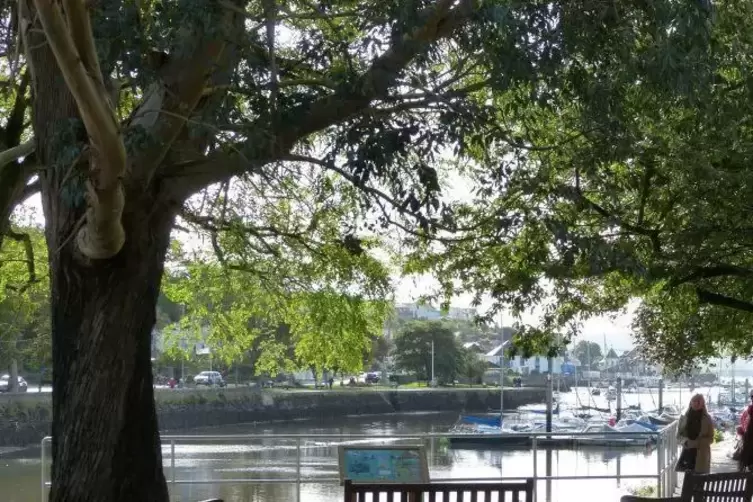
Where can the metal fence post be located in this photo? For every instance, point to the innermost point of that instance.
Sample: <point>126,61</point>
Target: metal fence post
<point>298,469</point>
<point>673,456</point>
<point>534,445</point>
<point>172,460</point>
<point>44,474</point>
<point>660,466</point>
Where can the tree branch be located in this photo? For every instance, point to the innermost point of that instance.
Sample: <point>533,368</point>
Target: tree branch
<point>270,12</point>
<point>576,194</point>
<point>190,175</point>
<point>274,141</point>
<point>214,227</point>
<point>83,37</point>
<point>15,153</point>
<point>25,239</point>
<point>440,21</point>
<point>721,270</point>
<point>103,235</point>
<point>89,93</point>
<point>29,190</point>
<point>15,126</point>
<point>645,187</point>
<point>13,179</point>
<point>170,103</point>
<point>710,298</point>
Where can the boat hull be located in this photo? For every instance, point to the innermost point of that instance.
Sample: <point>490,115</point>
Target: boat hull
<point>562,442</point>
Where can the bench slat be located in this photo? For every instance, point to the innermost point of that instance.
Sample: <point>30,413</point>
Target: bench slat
<point>464,492</point>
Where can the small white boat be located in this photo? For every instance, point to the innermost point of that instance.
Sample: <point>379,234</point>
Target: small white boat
<point>612,436</point>
<point>611,394</point>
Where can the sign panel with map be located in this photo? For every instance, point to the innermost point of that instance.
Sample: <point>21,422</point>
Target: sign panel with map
<point>383,464</point>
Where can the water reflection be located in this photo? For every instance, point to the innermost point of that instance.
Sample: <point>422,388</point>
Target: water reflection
<point>246,468</point>
<point>246,465</point>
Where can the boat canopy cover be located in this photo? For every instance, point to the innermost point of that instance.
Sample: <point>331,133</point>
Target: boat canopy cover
<point>634,427</point>
<point>489,421</point>
<point>644,425</point>
<point>555,411</point>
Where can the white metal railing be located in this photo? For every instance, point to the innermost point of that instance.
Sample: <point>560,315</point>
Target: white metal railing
<point>665,475</point>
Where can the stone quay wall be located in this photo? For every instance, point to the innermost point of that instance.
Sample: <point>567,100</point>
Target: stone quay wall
<point>25,418</point>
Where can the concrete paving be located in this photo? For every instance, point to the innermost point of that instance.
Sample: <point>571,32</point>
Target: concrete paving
<point>721,459</point>
<point>721,456</point>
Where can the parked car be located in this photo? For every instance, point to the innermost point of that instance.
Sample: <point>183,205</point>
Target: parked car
<point>209,378</point>
<point>372,377</point>
<point>5,384</point>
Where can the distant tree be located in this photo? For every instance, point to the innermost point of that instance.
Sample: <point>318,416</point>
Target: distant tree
<point>413,350</point>
<point>378,352</point>
<point>473,367</point>
<point>588,353</point>
<point>24,301</point>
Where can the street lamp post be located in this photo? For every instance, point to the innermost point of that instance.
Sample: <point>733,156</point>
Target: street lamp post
<point>433,379</point>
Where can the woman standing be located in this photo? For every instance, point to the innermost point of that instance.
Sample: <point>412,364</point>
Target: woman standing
<point>744,451</point>
<point>695,433</point>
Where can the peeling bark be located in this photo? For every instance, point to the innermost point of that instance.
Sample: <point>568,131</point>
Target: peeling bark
<point>72,44</point>
<point>106,444</point>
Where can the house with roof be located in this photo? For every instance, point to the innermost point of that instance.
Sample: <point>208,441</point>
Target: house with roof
<point>523,366</point>
<point>474,347</point>
<point>610,361</point>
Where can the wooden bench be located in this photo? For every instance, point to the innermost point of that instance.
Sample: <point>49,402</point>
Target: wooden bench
<point>719,487</point>
<point>439,492</point>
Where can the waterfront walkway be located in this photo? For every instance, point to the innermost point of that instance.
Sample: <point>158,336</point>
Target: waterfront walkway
<point>721,456</point>
<point>721,460</point>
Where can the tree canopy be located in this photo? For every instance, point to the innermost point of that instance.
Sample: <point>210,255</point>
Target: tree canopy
<point>413,351</point>
<point>289,325</point>
<point>627,180</point>
<point>588,353</point>
<point>605,142</point>
<point>24,300</point>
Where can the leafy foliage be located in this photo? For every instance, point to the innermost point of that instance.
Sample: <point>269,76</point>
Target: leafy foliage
<point>24,300</point>
<point>286,326</point>
<point>626,180</point>
<point>606,143</point>
<point>473,366</point>
<point>413,351</point>
<point>588,353</point>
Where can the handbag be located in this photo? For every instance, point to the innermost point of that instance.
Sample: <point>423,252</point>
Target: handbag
<point>737,454</point>
<point>687,459</point>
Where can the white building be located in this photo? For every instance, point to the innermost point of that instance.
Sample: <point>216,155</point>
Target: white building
<point>474,347</point>
<point>611,360</point>
<point>408,311</point>
<point>521,365</point>
<point>417,311</point>
<point>462,314</point>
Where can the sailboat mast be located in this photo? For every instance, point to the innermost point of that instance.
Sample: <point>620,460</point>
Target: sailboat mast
<point>734,385</point>
<point>501,369</point>
<point>588,356</point>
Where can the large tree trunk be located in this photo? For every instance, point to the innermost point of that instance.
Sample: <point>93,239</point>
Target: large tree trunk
<point>106,445</point>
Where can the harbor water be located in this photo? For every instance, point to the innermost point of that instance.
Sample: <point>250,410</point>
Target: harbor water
<point>240,462</point>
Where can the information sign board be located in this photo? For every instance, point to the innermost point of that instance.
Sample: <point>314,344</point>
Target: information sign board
<point>383,464</point>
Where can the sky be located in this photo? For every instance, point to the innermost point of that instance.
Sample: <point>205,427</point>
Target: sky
<point>610,331</point>
<point>613,332</point>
